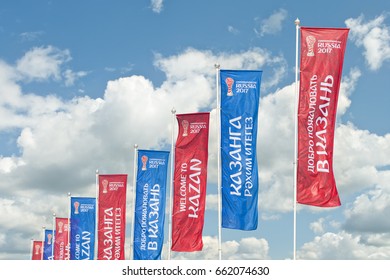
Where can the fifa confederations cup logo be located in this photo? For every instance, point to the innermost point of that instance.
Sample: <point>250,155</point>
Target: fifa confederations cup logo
<point>37,249</point>
<point>185,125</point>
<point>229,82</point>
<point>76,205</point>
<point>60,227</point>
<point>310,41</point>
<point>144,160</point>
<point>105,185</point>
<point>49,238</point>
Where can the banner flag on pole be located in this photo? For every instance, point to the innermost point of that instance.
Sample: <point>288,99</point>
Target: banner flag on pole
<point>37,250</point>
<point>83,224</point>
<point>61,241</point>
<point>240,97</point>
<point>190,178</point>
<point>111,217</point>
<point>322,55</point>
<point>48,244</point>
<point>150,204</point>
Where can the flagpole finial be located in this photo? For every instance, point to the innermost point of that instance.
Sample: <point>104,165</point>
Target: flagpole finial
<point>97,171</point>
<point>297,21</point>
<point>173,110</point>
<point>216,65</point>
<point>69,193</point>
<point>135,146</point>
<point>54,214</point>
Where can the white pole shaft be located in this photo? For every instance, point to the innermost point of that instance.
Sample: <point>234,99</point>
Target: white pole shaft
<point>96,214</point>
<point>43,241</point>
<point>133,212</point>
<point>171,185</point>
<point>69,213</point>
<point>297,22</point>
<point>54,238</point>
<point>218,163</point>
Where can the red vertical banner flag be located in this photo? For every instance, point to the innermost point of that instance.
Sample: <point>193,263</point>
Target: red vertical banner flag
<point>322,56</point>
<point>37,250</point>
<point>190,178</point>
<point>61,239</point>
<point>111,217</point>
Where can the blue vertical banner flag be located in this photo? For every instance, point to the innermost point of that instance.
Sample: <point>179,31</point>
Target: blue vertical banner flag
<point>152,170</point>
<point>240,96</point>
<point>48,244</point>
<point>82,228</point>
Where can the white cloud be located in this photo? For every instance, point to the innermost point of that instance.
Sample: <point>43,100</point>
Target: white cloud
<point>71,76</point>
<point>42,63</point>
<point>157,5</point>
<point>233,30</point>
<point>272,24</point>
<point>374,37</point>
<point>342,246</point>
<point>318,226</point>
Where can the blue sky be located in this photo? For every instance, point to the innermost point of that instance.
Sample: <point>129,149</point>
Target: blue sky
<point>81,82</point>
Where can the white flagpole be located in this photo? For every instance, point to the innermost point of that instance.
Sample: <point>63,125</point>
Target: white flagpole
<point>96,213</point>
<point>173,111</point>
<point>32,249</point>
<point>297,22</point>
<point>43,241</point>
<point>69,213</point>
<point>133,212</point>
<point>54,236</point>
<point>217,68</point>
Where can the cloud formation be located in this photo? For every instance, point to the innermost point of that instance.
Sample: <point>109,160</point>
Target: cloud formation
<point>374,37</point>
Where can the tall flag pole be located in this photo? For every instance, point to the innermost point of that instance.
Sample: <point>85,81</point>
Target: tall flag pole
<point>240,97</point>
<point>133,202</point>
<point>43,240</point>
<point>54,236</point>
<point>152,171</point>
<point>297,22</point>
<point>217,115</point>
<point>321,62</point>
<point>172,180</point>
<point>68,246</point>
<point>96,213</point>
<point>322,56</point>
<point>191,158</point>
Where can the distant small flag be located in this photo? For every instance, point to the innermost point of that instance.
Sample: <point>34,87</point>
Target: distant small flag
<point>190,180</point>
<point>83,225</point>
<point>37,250</point>
<point>48,244</point>
<point>322,55</point>
<point>61,240</point>
<point>112,217</point>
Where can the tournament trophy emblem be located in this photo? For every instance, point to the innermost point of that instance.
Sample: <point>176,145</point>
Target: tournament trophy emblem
<point>60,226</point>
<point>37,249</point>
<point>144,160</point>
<point>49,238</point>
<point>229,82</point>
<point>76,205</point>
<point>105,185</point>
<point>185,125</point>
<point>310,40</point>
